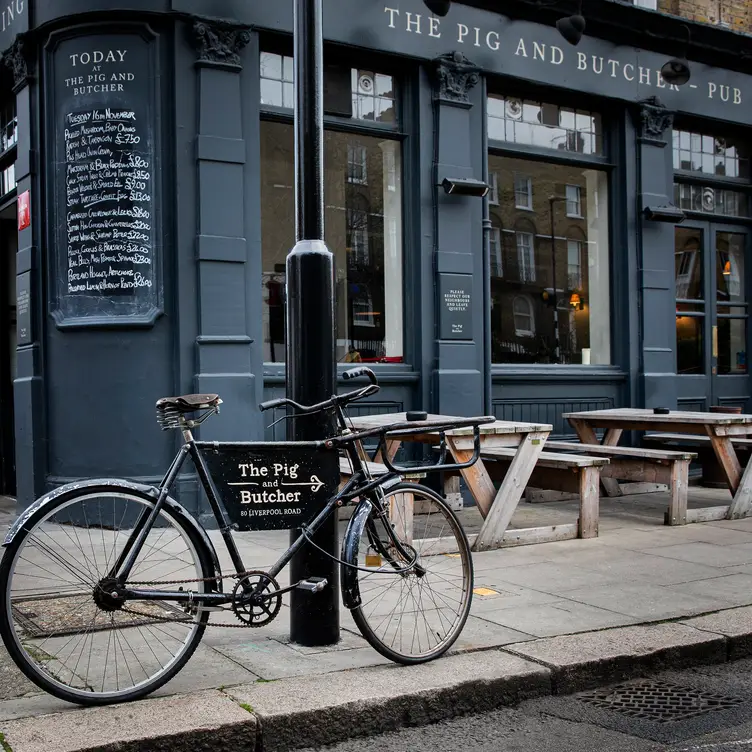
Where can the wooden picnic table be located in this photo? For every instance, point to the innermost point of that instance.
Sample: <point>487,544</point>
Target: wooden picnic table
<point>496,507</point>
<point>720,428</point>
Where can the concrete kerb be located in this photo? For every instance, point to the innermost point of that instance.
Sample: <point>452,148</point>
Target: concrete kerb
<point>324,709</point>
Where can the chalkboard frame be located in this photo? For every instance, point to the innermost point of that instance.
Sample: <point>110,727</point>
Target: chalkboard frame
<point>148,318</point>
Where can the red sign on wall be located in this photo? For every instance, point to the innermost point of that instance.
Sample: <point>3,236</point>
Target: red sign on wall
<point>24,210</point>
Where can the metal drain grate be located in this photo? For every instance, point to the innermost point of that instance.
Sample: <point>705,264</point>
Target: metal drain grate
<point>658,701</point>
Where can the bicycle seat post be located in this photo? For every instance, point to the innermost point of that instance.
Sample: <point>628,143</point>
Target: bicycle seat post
<point>185,429</point>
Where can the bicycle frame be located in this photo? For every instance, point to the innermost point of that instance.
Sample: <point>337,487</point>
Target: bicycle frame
<point>355,487</point>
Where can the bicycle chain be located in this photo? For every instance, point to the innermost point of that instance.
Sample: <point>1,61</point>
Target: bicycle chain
<point>163,620</point>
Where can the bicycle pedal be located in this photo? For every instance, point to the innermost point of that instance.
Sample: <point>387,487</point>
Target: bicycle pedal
<point>313,584</point>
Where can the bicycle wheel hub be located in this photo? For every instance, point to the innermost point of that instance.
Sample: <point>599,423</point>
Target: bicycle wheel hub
<point>107,594</point>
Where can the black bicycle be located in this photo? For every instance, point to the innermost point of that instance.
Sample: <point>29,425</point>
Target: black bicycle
<point>107,585</point>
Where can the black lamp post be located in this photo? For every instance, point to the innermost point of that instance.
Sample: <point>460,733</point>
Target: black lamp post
<point>311,369</point>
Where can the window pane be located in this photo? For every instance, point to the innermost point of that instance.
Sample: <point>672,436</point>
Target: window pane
<point>544,124</point>
<point>732,345</point>
<point>523,293</point>
<point>689,345</point>
<point>373,94</point>
<point>688,251</point>
<point>363,197</point>
<point>706,154</point>
<point>729,252</point>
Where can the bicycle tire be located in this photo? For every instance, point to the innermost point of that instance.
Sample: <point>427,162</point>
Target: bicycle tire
<point>370,614</point>
<point>34,651</point>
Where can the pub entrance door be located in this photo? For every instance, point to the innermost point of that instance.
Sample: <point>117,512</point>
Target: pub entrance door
<point>712,311</point>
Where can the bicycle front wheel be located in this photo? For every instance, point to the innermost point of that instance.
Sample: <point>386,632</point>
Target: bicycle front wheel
<point>413,603</point>
<point>56,619</point>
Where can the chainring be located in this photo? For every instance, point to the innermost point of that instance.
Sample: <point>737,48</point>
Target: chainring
<point>253,600</point>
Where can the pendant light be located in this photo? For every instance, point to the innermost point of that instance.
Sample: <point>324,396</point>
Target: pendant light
<point>438,7</point>
<point>572,27</point>
<point>676,71</point>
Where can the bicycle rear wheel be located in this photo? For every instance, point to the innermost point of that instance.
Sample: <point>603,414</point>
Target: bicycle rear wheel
<point>56,619</point>
<point>412,610</point>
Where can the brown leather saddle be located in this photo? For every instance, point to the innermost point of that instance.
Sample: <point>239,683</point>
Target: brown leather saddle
<point>187,403</point>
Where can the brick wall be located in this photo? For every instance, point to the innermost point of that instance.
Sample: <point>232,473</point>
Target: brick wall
<point>735,14</point>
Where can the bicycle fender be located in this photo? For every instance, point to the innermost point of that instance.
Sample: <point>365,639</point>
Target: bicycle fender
<point>102,484</point>
<point>348,575</point>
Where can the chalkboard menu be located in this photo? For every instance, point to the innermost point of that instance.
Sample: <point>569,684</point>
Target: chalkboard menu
<point>105,195</point>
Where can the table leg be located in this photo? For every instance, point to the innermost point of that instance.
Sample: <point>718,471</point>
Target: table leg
<point>587,435</point>
<point>584,431</point>
<point>677,508</point>
<point>611,485</point>
<point>742,501</point>
<point>589,502</point>
<point>401,515</point>
<point>726,454</point>
<point>392,447</point>
<point>476,476</point>
<point>511,490</point>
<point>613,436</point>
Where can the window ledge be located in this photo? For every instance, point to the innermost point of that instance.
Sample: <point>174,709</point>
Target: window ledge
<point>549,372</point>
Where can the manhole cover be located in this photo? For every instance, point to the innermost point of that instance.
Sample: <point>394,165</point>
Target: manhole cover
<point>658,701</point>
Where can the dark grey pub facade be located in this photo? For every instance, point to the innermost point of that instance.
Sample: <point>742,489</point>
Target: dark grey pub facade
<point>147,179</point>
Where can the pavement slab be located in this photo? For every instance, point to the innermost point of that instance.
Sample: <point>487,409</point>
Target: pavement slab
<point>319,710</point>
<point>582,661</point>
<point>735,624</point>
<point>202,721</point>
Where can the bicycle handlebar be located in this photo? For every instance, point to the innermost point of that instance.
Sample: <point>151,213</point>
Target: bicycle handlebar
<point>337,399</point>
<point>354,373</point>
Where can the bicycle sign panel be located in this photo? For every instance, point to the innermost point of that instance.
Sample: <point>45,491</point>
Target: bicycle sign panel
<point>272,486</point>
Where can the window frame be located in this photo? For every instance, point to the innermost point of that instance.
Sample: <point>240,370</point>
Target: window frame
<point>577,213</point>
<point>527,269</point>
<point>617,233</point>
<point>274,371</point>
<point>530,314</point>
<point>529,206</point>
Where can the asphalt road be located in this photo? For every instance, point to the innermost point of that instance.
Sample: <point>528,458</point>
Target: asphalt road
<point>698,710</point>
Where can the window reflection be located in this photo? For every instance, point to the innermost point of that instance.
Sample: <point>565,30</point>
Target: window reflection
<point>543,124</point>
<point>690,316</point>
<point>363,216</point>
<point>533,275</point>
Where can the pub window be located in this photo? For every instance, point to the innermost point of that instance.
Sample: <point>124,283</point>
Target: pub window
<point>8,141</point>
<point>558,252</point>
<point>522,121</point>
<point>523,192</point>
<point>524,321</point>
<point>363,209</point>
<point>526,256</point>
<point>725,161</point>
<point>574,201</point>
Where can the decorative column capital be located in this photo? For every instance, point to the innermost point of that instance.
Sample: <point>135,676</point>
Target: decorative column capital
<point>654,120</point>
<point>455,76</point>
<point>219,43</point>
<point>16,57</point>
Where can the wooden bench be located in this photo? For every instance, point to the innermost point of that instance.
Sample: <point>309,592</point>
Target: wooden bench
<point>640,468</point>
<point>560,472</point>
<point>712,475</point>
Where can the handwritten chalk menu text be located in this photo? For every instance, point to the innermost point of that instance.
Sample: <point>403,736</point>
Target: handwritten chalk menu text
<point>106,244</point>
